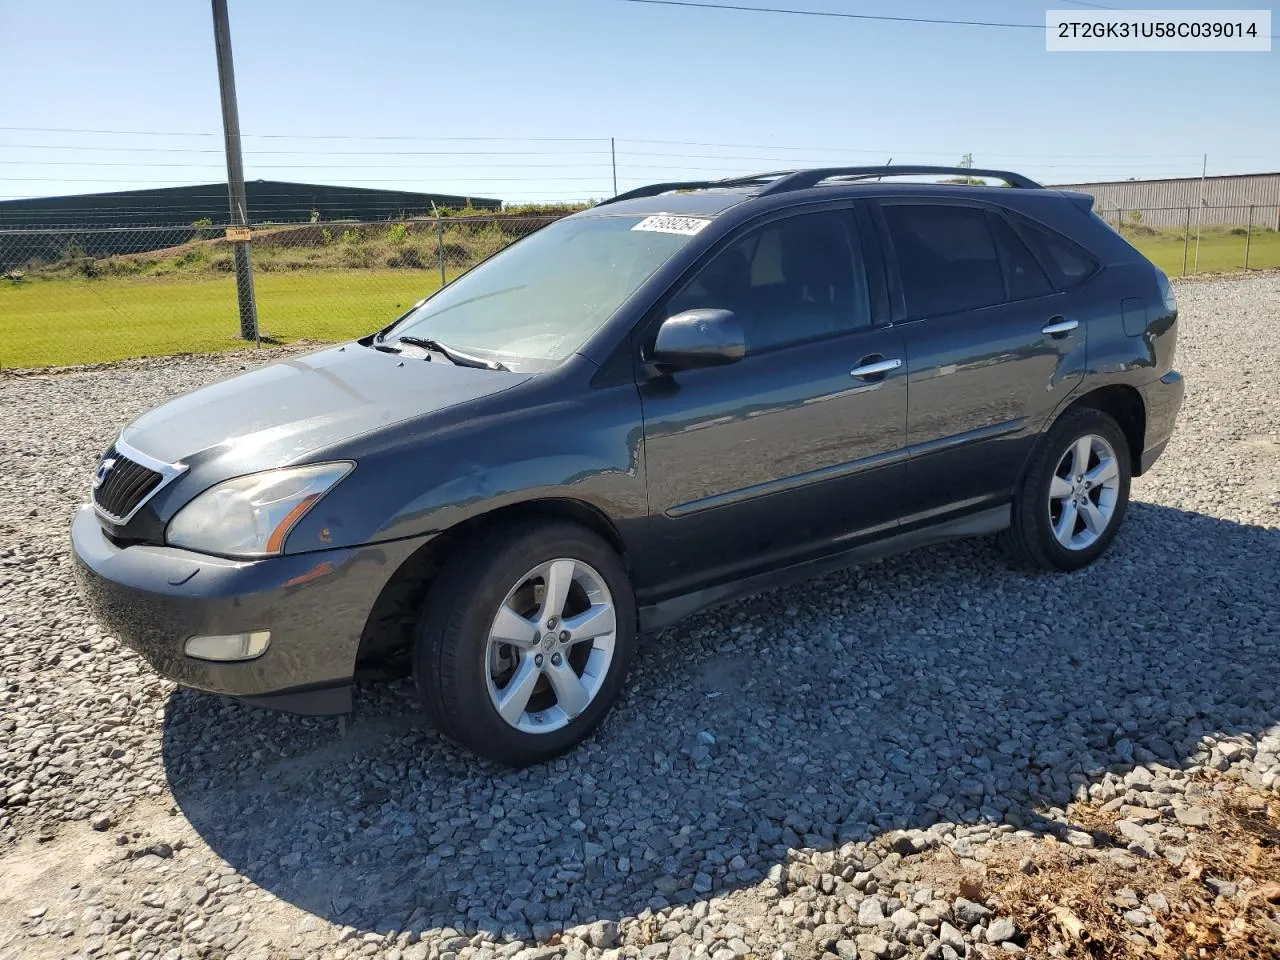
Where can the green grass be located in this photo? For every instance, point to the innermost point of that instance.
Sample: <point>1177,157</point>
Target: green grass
<point>1221,251</point>
<point>65,321</point>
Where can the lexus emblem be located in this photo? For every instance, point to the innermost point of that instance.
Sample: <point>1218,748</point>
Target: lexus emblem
<point>104,468</point>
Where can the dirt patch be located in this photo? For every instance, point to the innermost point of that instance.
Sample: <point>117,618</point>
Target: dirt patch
<point>1095,893</point>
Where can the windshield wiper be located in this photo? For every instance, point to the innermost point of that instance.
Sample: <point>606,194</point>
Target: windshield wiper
<point>457,357</point>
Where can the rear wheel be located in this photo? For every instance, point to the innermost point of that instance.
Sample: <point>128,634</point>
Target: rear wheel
<point>1074,496</point>
<point>525,640</point>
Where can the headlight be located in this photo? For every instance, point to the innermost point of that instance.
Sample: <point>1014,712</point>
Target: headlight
<point>251,516</point>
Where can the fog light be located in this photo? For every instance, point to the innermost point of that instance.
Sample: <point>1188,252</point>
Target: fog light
<point>231,646</point>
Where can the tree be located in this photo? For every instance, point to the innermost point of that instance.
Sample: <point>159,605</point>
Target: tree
<point>966,162</point>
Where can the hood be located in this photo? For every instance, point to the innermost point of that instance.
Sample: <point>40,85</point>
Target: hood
<point>280,413</point>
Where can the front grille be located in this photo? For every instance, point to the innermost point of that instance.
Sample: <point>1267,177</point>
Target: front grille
<point>124,485</point>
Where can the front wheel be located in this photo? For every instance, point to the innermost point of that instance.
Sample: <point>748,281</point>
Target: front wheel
<point>1074,496</point>
<point>525,641</point>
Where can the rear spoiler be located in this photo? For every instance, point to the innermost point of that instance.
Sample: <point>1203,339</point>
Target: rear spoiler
<point>1082,200</point>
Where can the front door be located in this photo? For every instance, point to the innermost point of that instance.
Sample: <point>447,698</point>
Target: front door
<point>798,448</point>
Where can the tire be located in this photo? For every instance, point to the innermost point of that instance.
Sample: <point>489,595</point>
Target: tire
<point>1038,534</point>
<point>465,668</point>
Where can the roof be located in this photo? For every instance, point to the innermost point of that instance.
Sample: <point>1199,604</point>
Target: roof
<point>220,190</point>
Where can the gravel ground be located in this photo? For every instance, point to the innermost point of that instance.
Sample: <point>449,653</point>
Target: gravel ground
<point>749,794</point>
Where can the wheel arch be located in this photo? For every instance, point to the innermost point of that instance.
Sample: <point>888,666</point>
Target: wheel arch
<point>388,628</point>
<point>1124,404</point>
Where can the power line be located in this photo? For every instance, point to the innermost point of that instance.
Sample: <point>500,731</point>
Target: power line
<point>138,165</point>
<point>591,179</point>
<point>771,148</point>
<point>296,136</point>
<point>577,153</point>
<point>314,153</point>
<point>836,14</point>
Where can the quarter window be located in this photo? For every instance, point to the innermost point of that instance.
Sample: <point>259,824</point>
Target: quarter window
<point>946,257</point>
<point>1069,262</point>
<point>1023,275</point>
<point>792,280</point>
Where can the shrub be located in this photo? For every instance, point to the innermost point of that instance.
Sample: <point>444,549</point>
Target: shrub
<point>193,256</point>
<point>224,264</point>
<point>353,237</point>
<point>397,234</point>
<point>410,257</point>
<point>202,222</point>
<point>354,256</point>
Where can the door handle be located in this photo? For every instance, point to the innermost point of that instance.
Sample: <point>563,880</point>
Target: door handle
<point>877,368</point>
<point>1058,327</point>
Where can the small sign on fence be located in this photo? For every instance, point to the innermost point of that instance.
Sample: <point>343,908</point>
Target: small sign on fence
<point>239,234</point>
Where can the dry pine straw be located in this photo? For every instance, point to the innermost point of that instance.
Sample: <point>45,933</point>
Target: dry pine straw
<point>1070,904</point>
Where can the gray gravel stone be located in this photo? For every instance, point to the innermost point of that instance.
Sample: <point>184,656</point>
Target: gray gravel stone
<point>1001,929</point>
<point>969,913</point>
<point>951,938</point>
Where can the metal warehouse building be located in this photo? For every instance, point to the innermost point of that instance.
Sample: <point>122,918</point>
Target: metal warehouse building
<point>129,221</point>
<point>1164,203</point>
<point>269,200</point>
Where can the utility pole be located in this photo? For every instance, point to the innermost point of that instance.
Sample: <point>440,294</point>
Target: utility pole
<point>238,231</point>
<point>613,160</point>
<point>1204,168</point>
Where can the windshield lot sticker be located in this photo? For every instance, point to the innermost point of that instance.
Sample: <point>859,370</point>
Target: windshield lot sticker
<point>686,226</point>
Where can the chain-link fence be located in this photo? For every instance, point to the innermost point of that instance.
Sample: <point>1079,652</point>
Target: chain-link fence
<point>1188,240</point>
<point>96,294</point>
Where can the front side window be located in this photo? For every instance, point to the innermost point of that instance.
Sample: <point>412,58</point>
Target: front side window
<point>792,280</point>
<point>536,302</point>
<point>946,257</point>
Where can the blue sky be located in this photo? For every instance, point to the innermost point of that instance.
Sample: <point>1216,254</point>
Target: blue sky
<point>382,93</point>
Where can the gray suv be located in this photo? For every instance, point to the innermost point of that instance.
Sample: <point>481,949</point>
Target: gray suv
<point>690,392</point>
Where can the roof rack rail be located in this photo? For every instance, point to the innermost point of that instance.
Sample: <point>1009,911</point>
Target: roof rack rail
<point>784,181</point>
<point>654,189</point>
<point>802,179</point>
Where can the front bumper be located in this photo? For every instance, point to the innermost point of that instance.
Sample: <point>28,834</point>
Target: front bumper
<point>315,605</point>
<point>1162,399</point>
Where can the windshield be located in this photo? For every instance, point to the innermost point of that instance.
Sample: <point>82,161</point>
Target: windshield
<point>536,302</point>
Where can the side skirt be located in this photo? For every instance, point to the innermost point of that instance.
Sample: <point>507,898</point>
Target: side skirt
<point>655,616</point>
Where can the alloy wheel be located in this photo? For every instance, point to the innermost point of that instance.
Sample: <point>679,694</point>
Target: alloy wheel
<point>1083,492</point>
<point>550,646</point>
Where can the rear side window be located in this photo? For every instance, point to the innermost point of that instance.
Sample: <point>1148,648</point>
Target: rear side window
<point>1021,271</point>
<point>1069,262</point>
<point>946,256</point>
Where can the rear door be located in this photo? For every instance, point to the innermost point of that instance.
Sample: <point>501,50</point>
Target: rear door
<point>798,447</point>
<point>992,348</point>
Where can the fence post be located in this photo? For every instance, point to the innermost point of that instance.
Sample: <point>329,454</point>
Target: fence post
<point>1186,241</point>
<point>440,246</point>
<point>1248,237</point>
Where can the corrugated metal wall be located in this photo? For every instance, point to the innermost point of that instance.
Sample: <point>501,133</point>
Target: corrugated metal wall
<point>1164,203</point>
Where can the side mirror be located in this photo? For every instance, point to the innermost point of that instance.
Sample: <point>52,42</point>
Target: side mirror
<point>699,338</point>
